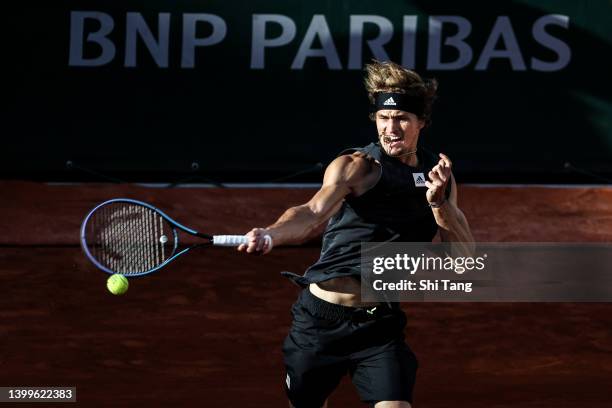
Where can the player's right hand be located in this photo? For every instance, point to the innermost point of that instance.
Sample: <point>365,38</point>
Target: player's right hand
<point>258,243</point>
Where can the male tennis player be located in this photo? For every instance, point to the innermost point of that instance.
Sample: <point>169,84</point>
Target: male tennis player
<point>392,190</point>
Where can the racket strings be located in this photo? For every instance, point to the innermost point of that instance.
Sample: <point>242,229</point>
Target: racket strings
<point>128,238</point>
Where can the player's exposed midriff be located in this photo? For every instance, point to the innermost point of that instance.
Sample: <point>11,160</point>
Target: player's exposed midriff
<point>345,291</point>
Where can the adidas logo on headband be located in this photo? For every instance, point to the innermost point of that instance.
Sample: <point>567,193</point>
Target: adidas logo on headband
<point>396,101</point>
<point>390,101</point>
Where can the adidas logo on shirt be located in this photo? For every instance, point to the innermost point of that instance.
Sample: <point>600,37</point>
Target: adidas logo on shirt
<point>389,101</point>
<point>419,179</point>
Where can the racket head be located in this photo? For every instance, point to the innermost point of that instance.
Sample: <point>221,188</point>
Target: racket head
<point>128,237</point>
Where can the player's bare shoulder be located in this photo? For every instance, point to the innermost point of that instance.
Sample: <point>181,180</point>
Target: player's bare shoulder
<point>358,170</point>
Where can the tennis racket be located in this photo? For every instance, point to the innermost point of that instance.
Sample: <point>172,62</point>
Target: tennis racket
<point>133,238</point>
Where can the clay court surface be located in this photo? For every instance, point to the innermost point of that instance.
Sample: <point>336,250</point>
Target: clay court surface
<point>207,330</point>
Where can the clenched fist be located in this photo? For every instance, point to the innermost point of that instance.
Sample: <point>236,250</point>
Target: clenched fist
<point>439,177</point>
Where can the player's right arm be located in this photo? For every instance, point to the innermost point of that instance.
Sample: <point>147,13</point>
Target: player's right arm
<point>347,174</point>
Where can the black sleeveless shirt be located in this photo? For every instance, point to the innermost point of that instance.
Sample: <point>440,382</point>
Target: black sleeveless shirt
<point>395,209</point>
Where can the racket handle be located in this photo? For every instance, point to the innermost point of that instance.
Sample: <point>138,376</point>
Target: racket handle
<point>236,240</point>
<point>229,240</point>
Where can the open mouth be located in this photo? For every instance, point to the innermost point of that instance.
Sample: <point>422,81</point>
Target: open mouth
<point>392,140</point>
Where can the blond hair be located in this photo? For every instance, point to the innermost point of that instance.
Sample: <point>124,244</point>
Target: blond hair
<point>390,77</point>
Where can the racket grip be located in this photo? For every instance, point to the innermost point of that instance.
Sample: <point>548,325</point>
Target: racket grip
<point>229,240</point>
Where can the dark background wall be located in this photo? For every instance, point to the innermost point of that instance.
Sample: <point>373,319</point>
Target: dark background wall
<point>142,115</point>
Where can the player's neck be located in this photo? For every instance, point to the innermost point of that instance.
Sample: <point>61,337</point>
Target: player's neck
<point>409,158</point>
<point>410,161</point>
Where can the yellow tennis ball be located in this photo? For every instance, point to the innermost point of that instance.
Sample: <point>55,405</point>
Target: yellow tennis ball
<point>117,284</point>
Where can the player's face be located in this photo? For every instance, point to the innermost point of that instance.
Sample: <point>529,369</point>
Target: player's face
<point>398,131</point>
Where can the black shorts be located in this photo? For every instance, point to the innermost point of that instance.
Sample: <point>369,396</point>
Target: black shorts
<point>327,341</point>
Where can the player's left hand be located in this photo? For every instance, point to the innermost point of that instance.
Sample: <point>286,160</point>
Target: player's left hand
<point>439,177</point>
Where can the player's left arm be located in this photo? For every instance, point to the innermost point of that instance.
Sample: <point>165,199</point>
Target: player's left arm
<point>452,223</point>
